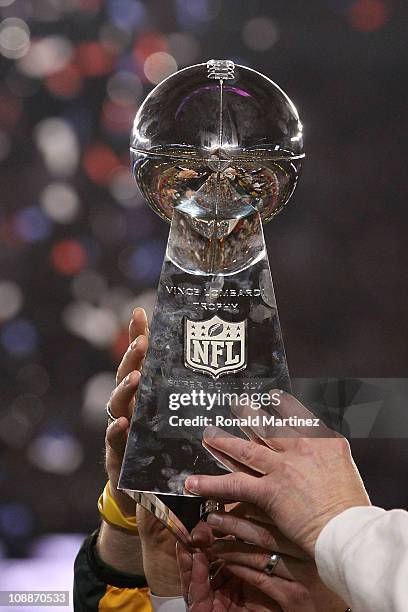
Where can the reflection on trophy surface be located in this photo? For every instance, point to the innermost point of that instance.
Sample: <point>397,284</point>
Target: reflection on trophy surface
<point>216,150</point>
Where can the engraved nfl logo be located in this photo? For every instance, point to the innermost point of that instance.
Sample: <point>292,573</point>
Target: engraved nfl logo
<point>215,346</point>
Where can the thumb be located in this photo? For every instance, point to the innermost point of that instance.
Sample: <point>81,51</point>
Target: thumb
<point>232,487</point>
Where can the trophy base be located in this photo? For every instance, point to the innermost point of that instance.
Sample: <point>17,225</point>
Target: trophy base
<point>169,508</point>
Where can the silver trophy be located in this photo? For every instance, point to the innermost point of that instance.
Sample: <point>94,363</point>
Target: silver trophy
<point>216,150</point>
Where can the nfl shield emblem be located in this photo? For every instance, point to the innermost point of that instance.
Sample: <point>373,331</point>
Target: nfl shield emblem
<point>215,346</point>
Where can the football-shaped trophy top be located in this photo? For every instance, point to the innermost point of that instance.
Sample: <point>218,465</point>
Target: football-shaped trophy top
<point>217,128</point>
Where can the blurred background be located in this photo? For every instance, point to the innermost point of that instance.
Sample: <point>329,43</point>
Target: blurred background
<point>80,248</point>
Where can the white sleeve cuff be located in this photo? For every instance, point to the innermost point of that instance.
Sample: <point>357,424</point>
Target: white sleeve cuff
<point>167,604</point>
<point>362,555</point>
<point>331,545</point>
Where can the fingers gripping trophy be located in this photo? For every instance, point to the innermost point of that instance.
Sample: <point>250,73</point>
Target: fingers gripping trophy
<point>216,150</point>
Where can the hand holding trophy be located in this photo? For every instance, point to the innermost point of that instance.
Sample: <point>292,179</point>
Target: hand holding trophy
<point>217,151</point>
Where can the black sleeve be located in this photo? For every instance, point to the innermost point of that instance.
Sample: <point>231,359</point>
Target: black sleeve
<point>92,575</point>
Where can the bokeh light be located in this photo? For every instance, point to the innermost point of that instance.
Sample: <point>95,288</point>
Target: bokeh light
<point>46,56</point>
<point>124,88</point>
<point>14,38</point>
<point>66,83</point>
<point>120,301</point>
<point>260,33</point>
<point>147,44</point>
<point>99,326</point>
<point>118,118</point>
<point>194,12</point>
<point>11,300</point>
<point>99,162</point>
<point>68,257</point>
<point>88,6</point>
<point>124,189</point>
<point>158,66</point>
<point>184,48</point>
<point>59,146</point>
<point>19,337</point>
<point>32,225</point>
<point>16,520</point>
<point>143,262</point>
<point>94,59</point>
<point>10,111</point>
<point>57,452</point>
<point>89,285</point>
<point>368,15</point>
<point>60,202</point>
<point>97,392</point>
<point>127,14</point>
